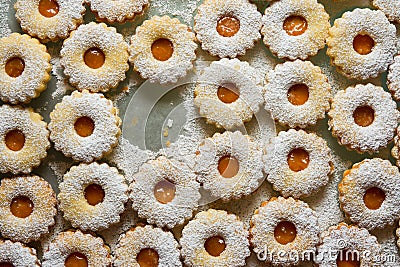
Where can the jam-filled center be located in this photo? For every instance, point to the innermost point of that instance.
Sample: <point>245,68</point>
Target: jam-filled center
<point>94,58</point>
<point>164,191</point>
<point>347,259</point>
<point>228,26</point>
<point>15,140</point>
<point>84,126</point>
<point>215,245</point>
<point>373,198</point>
<point>15,67</point>
<point>363,44</point>
<point>21,207</point>
<point>298,159</point>
<point>6,264</point>
<point>76,259</point>
<point>48,8</point>
<point>364,116</point>
<point>228,166</point>
<point>228,93</point>
<point>298,94</point>
<point>162,49</point>
<point>94,194</point>
<point>147,258</point>
<point>295,25</point>
<point>285,232</point>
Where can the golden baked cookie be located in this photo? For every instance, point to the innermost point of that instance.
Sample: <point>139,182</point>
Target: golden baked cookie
<point>17,254</point>
<point>393,78</point>
<point>162,49</point>
<point>117,11</point>
<point>92,196</point>
<point>95,57</point>
<point>84,126</point>
<point>391,8</point>
<point>24,68</point>
<point>215,238</point>
<point>24,138</point>
<point>27,208</point>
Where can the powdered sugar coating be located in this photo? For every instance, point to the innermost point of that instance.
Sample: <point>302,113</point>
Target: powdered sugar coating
<point>36,135</point>
<point>211,223</point>
<point>74,204</point>
<point>395,150</point>
<point>298,184</point>
<point>18,254</point>
<point>132,242</point>
<point>205,24</point>
<point>366,22</point>
<point>182,39</point>
<point>301,46</point>
<point>348,238</point>
<point>96,252</point>
<point>282,78</point>
<point>36,71</point>
<point>362,176</point>
<point>113,46</point>
<point>270,214</point>
<point>363,139</point>
<point>70,15</point>
<point>393,78</point>
<point>228,71</point>
<point>85,104</point>
<point>391,8</point>
<point>186,192</point>
<point>244,150</point>
<point>117,11</point>
<point>38,222</point>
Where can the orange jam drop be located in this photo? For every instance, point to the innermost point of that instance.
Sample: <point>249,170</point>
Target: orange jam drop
<point>15,67</point>
<point>363,44</point>
<point>298,159</point>
<point>285,232</point>
<point>94,58</point>
<point>6,264</point>
<point>162,49</point>
<point>346,259</point>
<point>364,116</point>
<point>84,126</point>
<point>76,259</point>
<point>147,258</point>
<point>21,207</point>
<point>295,25</point>
<point>94,194</point>
<point>228,166</point>
<point>228,93</point>
<point>164,191</point>
<point>48,8</point>
<point>15,140</point>
<point>373,198</point>
<point>298,94</point>
<point>228,26</point>
<point>215,245</point>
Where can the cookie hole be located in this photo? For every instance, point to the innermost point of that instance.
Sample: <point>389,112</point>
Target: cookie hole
<point>76,259</point>
<point>285,232</point>
<point>363,44</point>
<point>6,264</point>
<point>15,67</point>
<point>228,166</point>
<point>373,198</point>
<point>298,94</point>
<point>295,25</point>
<point>15,140</point>
<point>228,26</point>
<point>228,93</point>
<point>298,159</point>
<point>94,194</point>
<point>215,245</point>
<point>94,58</point>
<point>162,49</point>
<point>84,126</point>
<point>347,258</point>
<point>364,116</point>
<point>21,207</point>
<point>48,8</point>
<point>147,258</point>
<point>164,191</point>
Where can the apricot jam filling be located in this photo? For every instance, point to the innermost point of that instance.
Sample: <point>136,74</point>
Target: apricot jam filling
<point>228,166</point>
<point>15,140</point>
<point>347,259</point>
<point>295,25</point>
<point>162,49</point>
<point>215,245</point>
<point>15,67</point>
<point>228,26</point>
<point>363,44</point>
<point>21,207</point>
<point>164,191</point>
<point>48,8</point>
<point>373,198</point>
<point>298,159</point>
<point>298,94</point>
<point>94,58</point>
<point>76,259</point>
<point>285,232</point>
<point>94,194</point>
<point>228,93</point>
<point>364,116</point>
<point>147,258</point>
<point>84,126</point>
